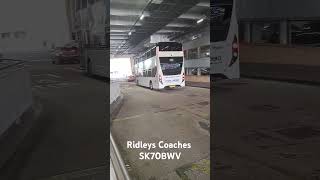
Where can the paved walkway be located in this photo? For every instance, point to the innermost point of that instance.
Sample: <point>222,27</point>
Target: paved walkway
<point>168,115</point>
<point>283,72</point>
<point>70,138</point>
<point>265,130</point>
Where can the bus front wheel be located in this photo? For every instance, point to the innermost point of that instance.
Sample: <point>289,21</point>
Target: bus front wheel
<point>151,85</point>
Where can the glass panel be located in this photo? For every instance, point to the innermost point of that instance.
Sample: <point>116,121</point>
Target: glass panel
<point>140,69</point>
<point>154,71</point>
<point>5,35</point>
<point>84,4</point>
<point>78,4</point>
<point>153,52</point>
<point>91,1</point>
<point>171,65</point>
<point>205,51</point>
<point>305,33</point>
<point>193,53</point>
<point>266,33</point>
<point>148,64</point>
<point>170,46</point>
<point>148,54</point>
<point>241,31</point>
<point>221,12</point>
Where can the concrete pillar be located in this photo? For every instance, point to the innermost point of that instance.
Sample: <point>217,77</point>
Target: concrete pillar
<point>199,53</point>
<point>289,34</point>
<point>247,32</point>
<point>255,33</point>
<point>132,66</point>
<point>199,72</point>
<point>186,54</point>
<point>284,32</point>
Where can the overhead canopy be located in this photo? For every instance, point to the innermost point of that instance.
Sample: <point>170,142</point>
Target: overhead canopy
<point>132,22</point>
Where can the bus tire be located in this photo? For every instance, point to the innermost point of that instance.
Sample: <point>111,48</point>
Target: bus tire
<point>151,85</point>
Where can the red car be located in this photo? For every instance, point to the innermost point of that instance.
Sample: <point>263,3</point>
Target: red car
<point>131,79</point>
<point>66,54</point>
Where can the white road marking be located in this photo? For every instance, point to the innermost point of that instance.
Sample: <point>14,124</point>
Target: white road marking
<point>53,75</point>
<point>39,60</point>
<point>73,69</point>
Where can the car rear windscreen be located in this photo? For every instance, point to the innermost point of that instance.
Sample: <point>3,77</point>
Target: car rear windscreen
<point>171,65</point>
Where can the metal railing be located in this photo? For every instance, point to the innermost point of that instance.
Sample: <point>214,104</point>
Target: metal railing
<point>118,170</point>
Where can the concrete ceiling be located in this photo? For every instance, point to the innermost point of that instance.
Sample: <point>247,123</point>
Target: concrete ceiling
<point>166,17</point>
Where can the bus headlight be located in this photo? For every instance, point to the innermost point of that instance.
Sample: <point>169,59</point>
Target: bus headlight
<point>182,77</point>
<point>160,79</point>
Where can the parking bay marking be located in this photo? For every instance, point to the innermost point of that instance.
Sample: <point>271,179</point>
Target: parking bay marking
<point>53,75</point>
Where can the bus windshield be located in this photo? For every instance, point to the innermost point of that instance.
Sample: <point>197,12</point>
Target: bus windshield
<point>171,65</point>
<point>221,13</point>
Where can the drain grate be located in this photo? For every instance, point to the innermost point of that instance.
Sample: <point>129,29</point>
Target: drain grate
<point>300,133</point>
<point>205,126</point>
<point>204,103</point>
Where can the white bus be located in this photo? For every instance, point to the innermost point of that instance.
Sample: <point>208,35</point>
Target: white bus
<point>224,41</point>
<point>161,66</point>
<point>94,42</point>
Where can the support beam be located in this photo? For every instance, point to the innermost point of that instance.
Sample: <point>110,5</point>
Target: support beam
<point>284,32</point>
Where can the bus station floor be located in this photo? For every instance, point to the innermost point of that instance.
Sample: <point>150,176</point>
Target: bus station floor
<point>167,115</point>
<point>70,137</point>
<point>282,72</point>
<point>265,130</point>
